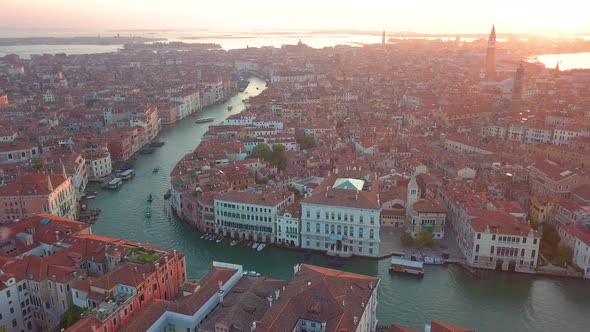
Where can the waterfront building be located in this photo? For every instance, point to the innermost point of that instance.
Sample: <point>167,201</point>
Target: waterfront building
<point>289,226</point>
<point>343,218</point>
<point>251,215</point>
<point>51,263</point>
<point>577,237</point>
<point>491,55</point>
<point>98,164</point>
<point>427,215</point>
<point>226,299</point>
<point>38,193</point>
<point>495,239</point>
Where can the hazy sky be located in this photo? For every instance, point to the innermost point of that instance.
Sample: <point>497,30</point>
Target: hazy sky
<point>564,16</point>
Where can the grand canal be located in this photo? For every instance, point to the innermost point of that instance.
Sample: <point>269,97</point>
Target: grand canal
<point>496,302</point>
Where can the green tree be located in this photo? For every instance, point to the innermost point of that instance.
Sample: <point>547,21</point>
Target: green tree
<point>424,239</point>
<point>279,156</point>
<point>304,141</point>
<point>407,240</point>
<point>71,316</point>
<point>38,166</point>
<point>564,254</point>
<point>261,151</point>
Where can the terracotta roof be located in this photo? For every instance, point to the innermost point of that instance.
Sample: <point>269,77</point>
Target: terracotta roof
<point>33,184</point>
<point>500,222</point>
<point>322,295</point>
<point>429,206</point>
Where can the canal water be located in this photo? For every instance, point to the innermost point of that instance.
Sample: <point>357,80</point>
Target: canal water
<point>497,302</point>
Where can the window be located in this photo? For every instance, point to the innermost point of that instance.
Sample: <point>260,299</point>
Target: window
<point>7,293</point>
<point>534,241</point>
<point>492,250</point>
<point>478,236</point>
<point>524,240</point>
<point>533,253</point>
<point>494,237</point>
<point>477,248</point>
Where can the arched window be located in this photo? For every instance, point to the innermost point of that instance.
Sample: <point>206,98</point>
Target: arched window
<point>345,230</point>
<point>371,234</point>
<point>351,231</point>
<point>360,232</point>
<point>339,230</point>
<point>331,229</point>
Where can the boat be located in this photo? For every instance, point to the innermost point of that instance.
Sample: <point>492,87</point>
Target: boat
<point>255,245</point>
<point>90,197</point>
<point>251,274</point>
<point>208,237</point>
<point>401,265</point>
<point>147,151</point>
<point>204,236</point>
<point>229,108</point>
<point>128,174</point>
<point>219,239</point>
<point>115,183</point>
<point>233,243</point>
<point>213,237</point>
<point>249,245</point>
<point>156,144</point>
<point>203,120</point>
<point>261,247</point>
<point>168,194</point>
<point>335,261</point>
<point>155,170</point>
<point>148,212</point>
<point>150,198</point>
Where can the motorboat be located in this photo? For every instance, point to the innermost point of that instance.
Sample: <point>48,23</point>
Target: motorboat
<point>150,198</point>
<point>233,243</point>
<point>219,239</point>
<point>261,247</point>
<point>204,236</point>
<point>155,170</point>
<point>148,212</point>
<point>255,245</point>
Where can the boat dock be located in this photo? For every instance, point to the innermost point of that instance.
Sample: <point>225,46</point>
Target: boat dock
<point>406,266</point>
<point>114,184</point>
<point>128,174</point>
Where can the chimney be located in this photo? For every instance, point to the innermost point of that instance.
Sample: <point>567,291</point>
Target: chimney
<point>362,304</point>
<point>309,284</point>
<point>220,284</point>
<point>356,196</point>
<point>355,320</point>
<point>277,294</point>
<point>269,298</point>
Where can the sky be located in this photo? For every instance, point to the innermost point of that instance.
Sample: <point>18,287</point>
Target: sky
<point>432,16</point>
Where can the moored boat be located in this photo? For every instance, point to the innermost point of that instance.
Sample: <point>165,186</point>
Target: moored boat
<point>213,237</point>
<point>406,266</point>
<point>203,120</point>
<point>219,238</point>
<point>233,243</point>
<point>255,245</point>
<point>261,247</point>
<point>89,197</point>
<point>168,194</point>
<point>204,236</point>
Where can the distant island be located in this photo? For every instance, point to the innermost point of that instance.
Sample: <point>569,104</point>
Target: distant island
<point>170,45</point>
<point>98,40</point>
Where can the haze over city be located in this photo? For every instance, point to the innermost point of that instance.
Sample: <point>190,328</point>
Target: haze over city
<point>310,165</point>
<point>461,16</point>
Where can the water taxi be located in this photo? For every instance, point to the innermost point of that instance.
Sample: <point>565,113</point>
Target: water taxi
<point>150,198</point>
<point>261,247</point>
<point>406,266</point>
<point>148,212</point>
<point>203,120</point>
<point>115,183</point>
<point>155,170</point>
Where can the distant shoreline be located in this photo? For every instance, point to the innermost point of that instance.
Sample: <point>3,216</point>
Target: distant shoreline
<point>115,40</point>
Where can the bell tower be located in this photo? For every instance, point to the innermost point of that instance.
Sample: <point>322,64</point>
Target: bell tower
<point>491,54</point>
